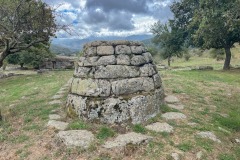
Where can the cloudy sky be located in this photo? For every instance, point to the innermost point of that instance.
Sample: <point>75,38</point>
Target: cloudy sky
<point>109,17</point>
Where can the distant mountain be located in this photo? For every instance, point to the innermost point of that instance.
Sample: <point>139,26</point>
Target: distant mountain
<point>63,50</point>
<point>77,44</point>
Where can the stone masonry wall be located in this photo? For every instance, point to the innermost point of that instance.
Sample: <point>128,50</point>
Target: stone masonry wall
<point>115,82</point>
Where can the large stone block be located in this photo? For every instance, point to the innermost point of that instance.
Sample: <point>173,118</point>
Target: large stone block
<point>90,87</point>
<point>138,60</point>
<point>106,60</point>
<point>82,72</point>
<point>105,50</point>
<point>90,51</point>
<point>137,49</point>
<point>133,85</point>
<point>147,70</point>
<point>88,62</point>
<point>157,81</point>
<point>116,71</point>
<point>123,59</point>
<point>122,49</point>
<point>148,57</point>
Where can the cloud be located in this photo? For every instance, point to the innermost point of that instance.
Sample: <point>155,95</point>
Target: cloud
<point>110,17</point>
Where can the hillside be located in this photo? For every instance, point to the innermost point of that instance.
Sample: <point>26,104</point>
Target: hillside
<point>60,50</point>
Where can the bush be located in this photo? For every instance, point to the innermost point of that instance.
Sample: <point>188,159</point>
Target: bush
<point>187,56</point>
<point>217,54</point>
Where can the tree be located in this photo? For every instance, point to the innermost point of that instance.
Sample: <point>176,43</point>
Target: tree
<point>210,23</point>
<point>33,56</point>
<point>24,23</point>
<point>169,38</point>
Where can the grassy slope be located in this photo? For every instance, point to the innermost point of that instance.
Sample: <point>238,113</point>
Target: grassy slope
<point>206,59</point>
<point>206,95</point>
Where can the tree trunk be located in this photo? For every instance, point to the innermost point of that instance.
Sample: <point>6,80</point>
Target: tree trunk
<point>169,61</point>
<point>21,64</point>
<point>3,55</point>
<point>227,59</point>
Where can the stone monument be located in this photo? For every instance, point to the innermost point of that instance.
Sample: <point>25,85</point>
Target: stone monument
<point>115,82</point>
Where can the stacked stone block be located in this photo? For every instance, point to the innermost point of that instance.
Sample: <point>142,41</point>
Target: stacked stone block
<point>115,82</point>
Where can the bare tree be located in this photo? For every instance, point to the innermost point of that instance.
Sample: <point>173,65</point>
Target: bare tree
<point>24,23</point>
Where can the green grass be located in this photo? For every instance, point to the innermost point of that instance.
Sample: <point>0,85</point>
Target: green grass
<point>78,125</point>
<point>226,157</point>
<point>186,146</point>
<point>105,133</point>
<point>139,128</point>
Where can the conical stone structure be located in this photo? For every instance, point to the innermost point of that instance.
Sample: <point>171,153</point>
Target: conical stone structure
<point>115,82</point>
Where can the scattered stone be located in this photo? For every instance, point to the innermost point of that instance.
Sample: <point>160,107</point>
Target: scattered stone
<point>124,139</point>
<point>199,155</point>
<point>224,130</point>
<point>55,102</point>
<point>171,99</point>
<point>160,127</point>
<point>76,138</point>
<point>192,124</point>
<point>61,92</point>
<point>209,135</point>
<point>173,116</point>
<point>59,125</point>
<point>176,106</point>
<point>224,115</point>
<point>57,96</point>
<point>237,140</point>
<point>54,117</point>
<point>175,156</point>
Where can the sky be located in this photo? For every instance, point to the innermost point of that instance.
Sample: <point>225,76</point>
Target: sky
<point>109,17</point>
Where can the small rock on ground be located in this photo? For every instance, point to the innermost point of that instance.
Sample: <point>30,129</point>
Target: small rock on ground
<point>55,102</point>
<point>61,92</point>
<point>160,127</point>
<point>208,135</point>
<point>237,140</point>
<point>124,139</point>
<point>176,106</point>
<point>173,116</point>
<point>57,96</point>
<point>76,138</point>
<point>175,156</point>
<point>171,99</point>
<point>54,117</point>
<point>59,125</point>
<point>199,155</point>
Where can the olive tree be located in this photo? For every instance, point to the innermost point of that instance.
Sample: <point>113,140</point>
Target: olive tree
<point>24,23</point>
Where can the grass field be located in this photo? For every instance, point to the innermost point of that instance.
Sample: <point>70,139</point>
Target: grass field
<point>211,100</point>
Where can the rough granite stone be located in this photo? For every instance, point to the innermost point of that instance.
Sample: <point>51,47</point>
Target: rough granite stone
<point>123,140</point>
<point>137,49</point>
<point>105,50</point>
<point>122,49</point>
<point>171,99</point>
<point>90,51</point>
<point>148,57</point>
<point>59,125</point>
<point>160,127</point>
<point>173,116</point>
<point>128,86</point>
<point>90,87</point>
<point>55,102</point>
<point>209,135</point>
<point>147,70</point>
<point>115,82</point>
<point>76,138</point>
<point>57,96</point>
<point>176,106</point>
<point>54,117</point>
<point>123,59</point>
<point>106,60</point>
<point>138,60</point>
<point>116,71</point>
